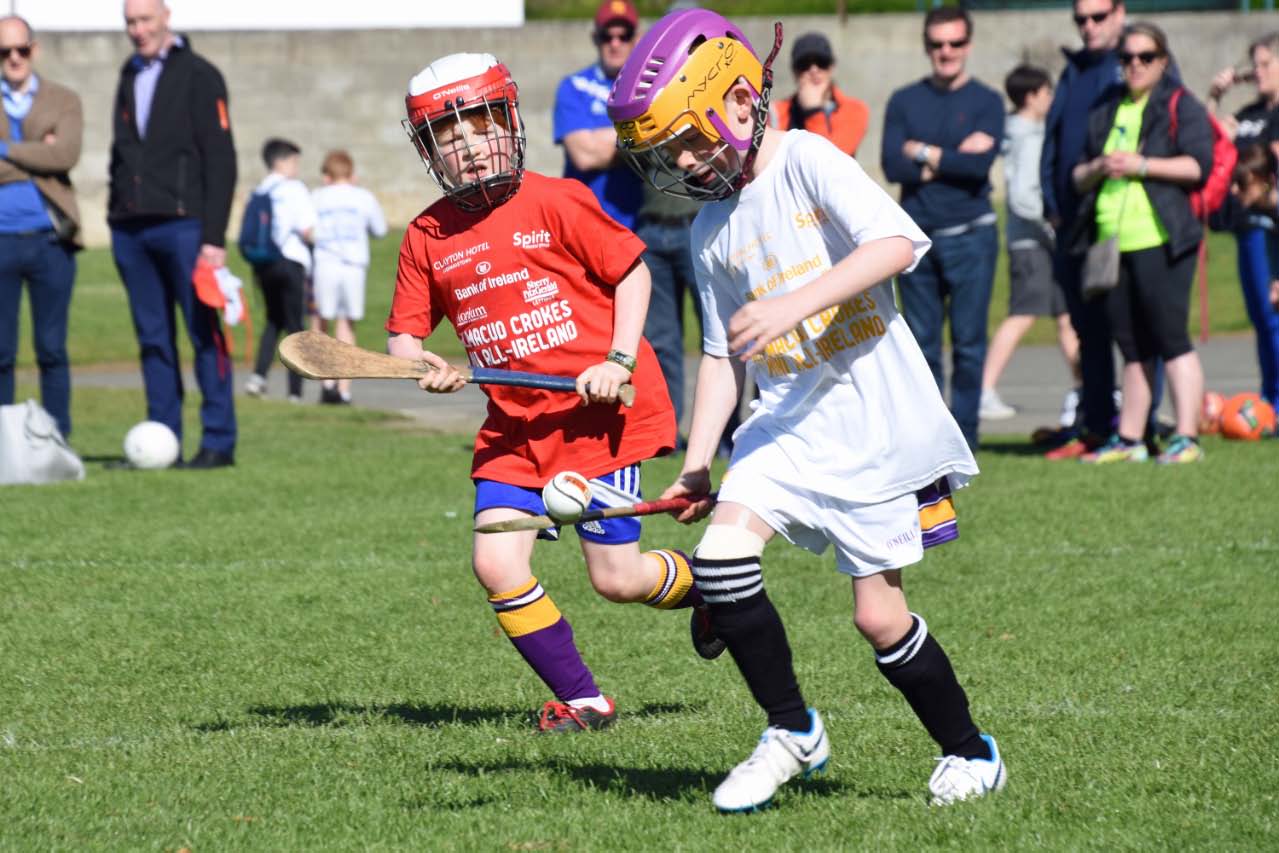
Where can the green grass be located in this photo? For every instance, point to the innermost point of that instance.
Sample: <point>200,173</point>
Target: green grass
<point>102,333</point>
<point>651,10</point>
<point>292,655</point>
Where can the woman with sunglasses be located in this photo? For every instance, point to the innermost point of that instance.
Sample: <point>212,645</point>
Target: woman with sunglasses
<point>1136,179</point>
<point>1256,230</point>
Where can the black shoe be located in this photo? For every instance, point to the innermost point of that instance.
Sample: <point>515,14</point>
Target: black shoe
<point>207,458</point>
<point>705,641</point>
<point>330,396</point>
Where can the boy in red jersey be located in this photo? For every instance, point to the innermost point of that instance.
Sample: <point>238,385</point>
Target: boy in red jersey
<point>534,276</point>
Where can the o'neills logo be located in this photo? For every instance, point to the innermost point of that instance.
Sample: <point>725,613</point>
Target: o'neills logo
<point>532,240</point>
<point>470,315</point>
<point>452,90</point>
<point>492,281</point>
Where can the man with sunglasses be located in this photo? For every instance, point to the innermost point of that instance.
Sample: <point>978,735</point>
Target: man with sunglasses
<point>818,105</point>
<point>939,143</point>
<point>1091,76</point>
<point>581,124</point>
<point>40,135</point>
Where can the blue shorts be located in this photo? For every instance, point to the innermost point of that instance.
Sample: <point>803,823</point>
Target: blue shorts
<point>620,488</point>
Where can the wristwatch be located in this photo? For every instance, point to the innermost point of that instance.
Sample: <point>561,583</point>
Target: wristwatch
<point>921,154</point>
<point>625,360</point>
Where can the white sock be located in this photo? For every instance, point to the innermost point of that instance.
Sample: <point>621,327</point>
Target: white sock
<point>598,703</point>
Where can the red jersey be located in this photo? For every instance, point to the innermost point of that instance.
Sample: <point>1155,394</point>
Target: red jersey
<point>528,286</point>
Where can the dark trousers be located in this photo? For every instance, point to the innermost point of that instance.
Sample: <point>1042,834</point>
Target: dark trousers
<point>670,264</point>
<point>283,286</point>
<point>1096,349</point>
<point>1255,275</point>
<point>48,266</point>
<point>155,259</point>
<point>954,279</point>
<point>1096,345</point>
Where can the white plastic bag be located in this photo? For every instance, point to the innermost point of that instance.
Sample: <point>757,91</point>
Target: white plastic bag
<point>32,450</point>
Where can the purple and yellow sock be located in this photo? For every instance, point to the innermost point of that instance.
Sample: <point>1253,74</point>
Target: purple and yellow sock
<point>544,638</point>
<point>937,519</point>
<point>675,587</point>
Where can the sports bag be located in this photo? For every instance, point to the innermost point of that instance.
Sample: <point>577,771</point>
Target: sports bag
<point>1212,194</point>
<point>256,244</point>
<point>32,450</point>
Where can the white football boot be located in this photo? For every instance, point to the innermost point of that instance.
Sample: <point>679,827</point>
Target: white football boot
<point>958,778</point>
<point>780,756</point>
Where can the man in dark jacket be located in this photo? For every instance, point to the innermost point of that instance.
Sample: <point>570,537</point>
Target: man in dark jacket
<point>1090,77</point>
<point>172,175</point>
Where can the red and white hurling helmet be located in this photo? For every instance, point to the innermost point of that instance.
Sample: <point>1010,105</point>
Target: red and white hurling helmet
<point>464,121</point>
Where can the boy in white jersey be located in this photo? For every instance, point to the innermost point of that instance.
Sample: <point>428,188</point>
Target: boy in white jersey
<point>347,216</point>
<point>850,443</point>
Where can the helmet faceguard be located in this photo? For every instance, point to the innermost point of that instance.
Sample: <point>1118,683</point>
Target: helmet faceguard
<point>672,90</point>
<point>464,121</point>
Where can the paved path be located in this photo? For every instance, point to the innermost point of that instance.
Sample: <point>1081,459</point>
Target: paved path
<point>1034,383</point>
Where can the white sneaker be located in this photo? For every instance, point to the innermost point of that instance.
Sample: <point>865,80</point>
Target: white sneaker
<point>958,778</point>
<point>1069,408</point>
<point>255,385</point>
<point>780,756</point>
<point>992,408</point>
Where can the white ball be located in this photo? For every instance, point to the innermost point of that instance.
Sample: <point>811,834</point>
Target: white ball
<point>151,444</point>
<point>567,496</point>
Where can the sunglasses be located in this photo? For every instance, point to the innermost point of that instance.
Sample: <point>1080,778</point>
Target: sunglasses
<point>804,64</point>
<point>953,45</point>
<point>23,50</point>
<point>624,37</point>
<point>1145,57</point>
<point>1095,17</point>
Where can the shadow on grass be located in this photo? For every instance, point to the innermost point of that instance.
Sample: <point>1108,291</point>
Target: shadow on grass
<point>337,714</point>
<point>653,783</point>
<point>1019,447</point>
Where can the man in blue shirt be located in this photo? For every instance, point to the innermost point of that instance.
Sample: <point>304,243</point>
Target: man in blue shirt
<point>940,140</point>
<point>40,134</point>
<point>581,123</point>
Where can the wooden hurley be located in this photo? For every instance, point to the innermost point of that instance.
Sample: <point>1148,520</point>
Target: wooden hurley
<point>315,355</point>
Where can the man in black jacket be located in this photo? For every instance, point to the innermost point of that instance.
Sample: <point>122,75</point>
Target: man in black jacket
<point>172,175</point>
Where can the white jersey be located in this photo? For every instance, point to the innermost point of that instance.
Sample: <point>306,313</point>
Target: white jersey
<point>292,215</point>
<point>347,216</point>
<point>847,395</point>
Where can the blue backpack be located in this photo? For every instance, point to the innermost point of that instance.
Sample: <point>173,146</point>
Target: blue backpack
<point>256,244</point>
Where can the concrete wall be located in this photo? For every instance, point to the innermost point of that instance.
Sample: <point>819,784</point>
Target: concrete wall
<point>345,89</point>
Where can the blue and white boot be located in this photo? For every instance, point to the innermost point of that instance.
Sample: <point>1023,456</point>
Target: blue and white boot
<point>958,778</point>
<point>780,756</point>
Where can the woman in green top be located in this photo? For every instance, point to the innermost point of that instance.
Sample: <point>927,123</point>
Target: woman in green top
<point>1137,177</point>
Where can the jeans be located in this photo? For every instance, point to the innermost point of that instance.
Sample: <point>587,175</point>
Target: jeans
<point>48,266</point>
<point>1255,274</point>
<point>670,264</point>
<point>155,259</point>
<point>954,278</point>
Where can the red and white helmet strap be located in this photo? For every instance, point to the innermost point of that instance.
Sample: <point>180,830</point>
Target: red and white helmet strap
<point>761,111</point>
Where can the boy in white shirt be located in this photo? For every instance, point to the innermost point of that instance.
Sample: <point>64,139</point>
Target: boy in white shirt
<point>849,443</point>
<point>283,282</point>
<point>347,216</point>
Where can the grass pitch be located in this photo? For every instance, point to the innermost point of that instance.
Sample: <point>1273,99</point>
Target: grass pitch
<point>292,655</point>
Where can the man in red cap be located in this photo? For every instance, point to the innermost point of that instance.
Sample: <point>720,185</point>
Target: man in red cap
<point>581,123</point>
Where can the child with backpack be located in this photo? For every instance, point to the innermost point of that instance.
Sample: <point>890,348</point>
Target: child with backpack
<point>278,225</point>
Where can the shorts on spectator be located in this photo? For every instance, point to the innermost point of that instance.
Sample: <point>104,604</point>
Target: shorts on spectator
<point>339,289</point>
<point>1032,290</point>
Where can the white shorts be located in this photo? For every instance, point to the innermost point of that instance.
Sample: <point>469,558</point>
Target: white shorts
<point>868,538</point>
<point>339,289</point>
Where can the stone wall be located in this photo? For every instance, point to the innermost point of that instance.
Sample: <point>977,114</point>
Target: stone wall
<point>327,89</point>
